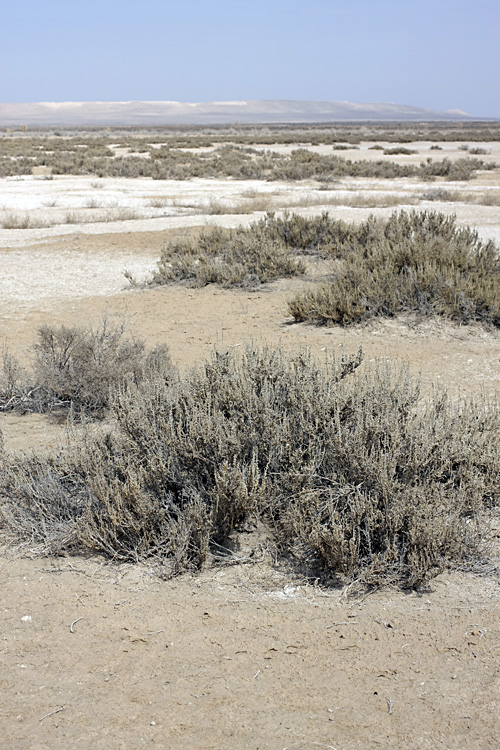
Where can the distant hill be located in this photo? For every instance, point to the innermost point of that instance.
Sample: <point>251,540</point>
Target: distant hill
<point>206,113</point>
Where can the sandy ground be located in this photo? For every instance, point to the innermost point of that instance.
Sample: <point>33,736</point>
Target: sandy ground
<point>243,656</point>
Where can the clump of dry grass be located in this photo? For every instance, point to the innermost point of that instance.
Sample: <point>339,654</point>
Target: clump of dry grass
<point>355,199</point>
<point>251,203</point>
<point>72,217</point>
<point>158,202</point>
<point>109,214</point>
<point>483,198</point>
<point>354,473</point>
<point>22,221</point>
<point>92,203</point>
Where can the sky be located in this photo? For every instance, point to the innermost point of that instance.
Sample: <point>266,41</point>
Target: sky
<point>440,54</point>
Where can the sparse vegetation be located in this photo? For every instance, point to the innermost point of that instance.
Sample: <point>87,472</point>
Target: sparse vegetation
<point>354,473</point>
<point>106,214</point>
<point>171,155</point>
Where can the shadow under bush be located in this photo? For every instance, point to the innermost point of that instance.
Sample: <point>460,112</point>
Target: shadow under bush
<point>353,471</point>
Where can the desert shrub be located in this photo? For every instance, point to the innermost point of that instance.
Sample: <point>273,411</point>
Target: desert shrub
<point>77,367</point>
<point>39,502</point>
<point>416,261</point>
<point>240,257</point>
<point>316,235</point>
<point>461,169</point>
<point>413,262</point>
<point>354,472</point>
<point>441,194</point>
<point>263,252</point>
<point>399,150</point>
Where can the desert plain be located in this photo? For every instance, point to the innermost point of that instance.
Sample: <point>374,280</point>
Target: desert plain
<point>242,655</point>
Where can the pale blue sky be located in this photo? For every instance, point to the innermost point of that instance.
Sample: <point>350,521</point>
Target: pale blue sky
<point>442,54</point>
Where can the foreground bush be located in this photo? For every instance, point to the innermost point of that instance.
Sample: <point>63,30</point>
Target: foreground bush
<point>417,262</point>
<point>354,472</point>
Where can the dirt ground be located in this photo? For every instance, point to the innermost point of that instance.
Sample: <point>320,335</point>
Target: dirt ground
<point>244,656</point>
<point>105,656</point>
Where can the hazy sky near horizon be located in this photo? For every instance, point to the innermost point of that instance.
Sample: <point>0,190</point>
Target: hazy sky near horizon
<point>441,54</point>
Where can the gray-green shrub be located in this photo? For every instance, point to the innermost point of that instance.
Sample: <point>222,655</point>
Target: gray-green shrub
<point>355,473</point>
<point>77,367</point>
<point>238,257</point>
<point>419,262</point>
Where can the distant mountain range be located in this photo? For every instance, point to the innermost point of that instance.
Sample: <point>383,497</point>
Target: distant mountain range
<point>76,114</point>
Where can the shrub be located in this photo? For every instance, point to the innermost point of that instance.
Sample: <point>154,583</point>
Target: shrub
<point>354,472</point>
<point>461,169</point>
<point>413,262</point>
<point>240,257</point>
<point>441,194</point>
<point>399,150</point>
<point>77,368</point>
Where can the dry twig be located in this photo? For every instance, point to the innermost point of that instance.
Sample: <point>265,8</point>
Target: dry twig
<point>55,711</point>
<point>74,623</point>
